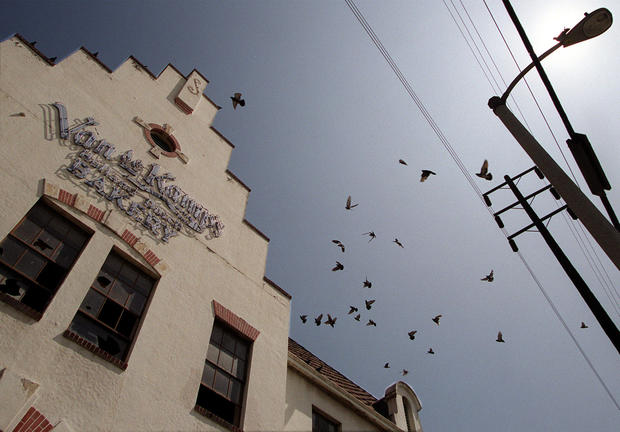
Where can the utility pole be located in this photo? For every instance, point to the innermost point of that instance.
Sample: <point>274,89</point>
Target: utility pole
<point>578,143</point>
<point>597,309</point>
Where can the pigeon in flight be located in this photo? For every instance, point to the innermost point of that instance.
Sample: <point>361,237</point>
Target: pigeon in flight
<point>367,283</point>
<point>339,266</point>
<point>412,334</point>
<point>489,277</point>
<point>357,317</point>
<point>387,365</point>
<point>402,162</point>
<point>484,171</point>
<point>370,234</point>
<point>405,372</point>
<point>430,351</point>
<point>499,337</point>
<point>426,174</point>
<point>437,318</point>
<point>330,321</point>
<point>353,309</point>
<point>303,318</point>
<point>236,100</point>
<point>318,319</point>
<point>371,323</point>
<point>583,325</point>
<point>398,243</point>
<point>348,205</point>
<point>369,304</point>
<point>339,244</point>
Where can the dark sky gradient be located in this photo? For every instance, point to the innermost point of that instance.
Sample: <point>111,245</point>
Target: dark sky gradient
<point>327,118</point>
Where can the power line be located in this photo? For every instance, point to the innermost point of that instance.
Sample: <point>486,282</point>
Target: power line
<point>386,55</point>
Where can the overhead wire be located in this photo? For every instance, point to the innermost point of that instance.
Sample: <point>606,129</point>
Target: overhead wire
<point>386,55</point>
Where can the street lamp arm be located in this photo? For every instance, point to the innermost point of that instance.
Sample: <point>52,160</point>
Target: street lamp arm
<point>527,69</point>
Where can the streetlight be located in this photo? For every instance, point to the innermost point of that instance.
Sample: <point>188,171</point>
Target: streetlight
<point>605,234</point>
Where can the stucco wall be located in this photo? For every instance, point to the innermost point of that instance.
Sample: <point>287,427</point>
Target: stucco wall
<point>302,395</point>
<point>158,389</point>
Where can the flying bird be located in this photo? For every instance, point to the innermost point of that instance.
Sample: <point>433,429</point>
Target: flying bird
<point>236,100</point>
<point>484,171</point>
<point>405,372</point>
<point>387,365</point>
<point>369,303</point>
<point>400,161</point>
<point>330,321</point>
<point>430,351</point>
<point>339,244</point>
<point>398,243</point>
<point>353,309</point>
<point>348,205</point>
<point>426,174</point>
<point>357,317</point>
<point>303,318</point>
<point>412,334</point>
<point>371,234</point>
<point>437,318</point>
<point>367,283</point>
<point>371,323</point>
<point>489,277</point>
<point>499,337</point>
<point>318,319</point>
<point>339,266</point>
<point>583,325</point>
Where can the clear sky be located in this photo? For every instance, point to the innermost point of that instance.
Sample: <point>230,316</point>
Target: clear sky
<point>326,118</point>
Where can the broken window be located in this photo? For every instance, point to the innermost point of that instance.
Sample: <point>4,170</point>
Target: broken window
<point>224,374</point>
<point>113,306</point>
<point>36,256</point>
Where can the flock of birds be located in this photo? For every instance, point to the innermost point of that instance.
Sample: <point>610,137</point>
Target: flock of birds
<point>237,100</point>
<point>368,302</point>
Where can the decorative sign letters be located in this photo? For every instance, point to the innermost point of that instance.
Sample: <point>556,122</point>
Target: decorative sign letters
<point>164,209</point>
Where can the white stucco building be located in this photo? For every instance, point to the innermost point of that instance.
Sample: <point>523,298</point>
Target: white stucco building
<point>132,289</point>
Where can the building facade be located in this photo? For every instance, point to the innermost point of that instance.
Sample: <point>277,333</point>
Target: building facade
<point>132,288</point>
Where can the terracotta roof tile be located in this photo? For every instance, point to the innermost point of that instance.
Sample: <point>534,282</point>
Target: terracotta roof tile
<point>330,373</point>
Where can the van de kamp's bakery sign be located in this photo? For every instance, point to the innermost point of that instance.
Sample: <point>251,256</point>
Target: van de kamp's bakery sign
<point>165,209</point>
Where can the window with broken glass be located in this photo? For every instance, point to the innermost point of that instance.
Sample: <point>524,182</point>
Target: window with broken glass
<point>36,256</point>
<point>113,307</point>
<point>224,374</point>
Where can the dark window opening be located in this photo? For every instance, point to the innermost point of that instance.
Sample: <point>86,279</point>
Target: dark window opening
<point>321,423</point>
<point>223,378</point>
<point>113,306</point>
<point>37,255</point>
<point>162,140</point>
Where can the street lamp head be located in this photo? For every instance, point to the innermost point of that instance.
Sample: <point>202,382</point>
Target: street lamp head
<point>594,24</point>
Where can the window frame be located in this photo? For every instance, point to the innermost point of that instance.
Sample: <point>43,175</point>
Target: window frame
<point>326,417</point>
<point>93,318</point>
<point>238,407</point>
<point>28,247</point>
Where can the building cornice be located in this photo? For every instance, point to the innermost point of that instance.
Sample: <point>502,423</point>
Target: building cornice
<point>338,393</point>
